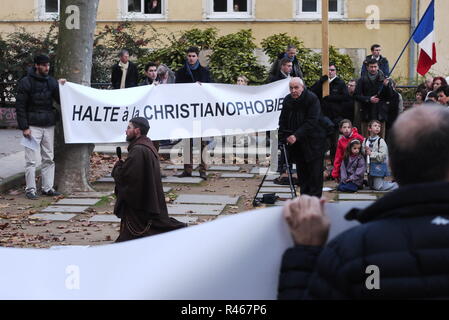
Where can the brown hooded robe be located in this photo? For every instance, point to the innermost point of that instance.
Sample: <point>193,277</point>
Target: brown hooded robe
<point>140,197</point>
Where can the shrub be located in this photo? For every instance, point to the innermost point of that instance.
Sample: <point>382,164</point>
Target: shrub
<point>233,55</point>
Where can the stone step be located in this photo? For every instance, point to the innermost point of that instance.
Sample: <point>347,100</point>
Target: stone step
<point>179,167</point>
<point>77,201</point>
<point>356,197</point>
<point>71,209</point>
<point>105,218</point>
<point>224,168</point>
<point>274,190</point>
<point>189,209</point>
<point>53,217</point>
<point>237,175</point>
<point>187,180</point>
<point>206,199</point>
<point>91,194</point>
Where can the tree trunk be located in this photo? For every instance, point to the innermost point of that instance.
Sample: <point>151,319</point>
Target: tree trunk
<point>74,63</point>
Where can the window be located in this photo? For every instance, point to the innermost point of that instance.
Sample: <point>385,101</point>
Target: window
<point>229,8</point>
<point>144,9</point>
<point>312,9</point>
<point>48,9</point>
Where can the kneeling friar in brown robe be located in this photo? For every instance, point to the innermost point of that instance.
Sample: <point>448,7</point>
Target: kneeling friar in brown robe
<point>140,200</point>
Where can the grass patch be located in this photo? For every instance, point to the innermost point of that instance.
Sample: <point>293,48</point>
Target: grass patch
<point>105,200</point>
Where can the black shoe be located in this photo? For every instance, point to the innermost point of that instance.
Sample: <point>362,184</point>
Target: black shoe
<point>51,193</point>
<point>184,175</point>
<point>203,175</point>
<point>32,195</point>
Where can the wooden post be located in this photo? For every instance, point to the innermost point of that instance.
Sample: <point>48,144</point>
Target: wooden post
<point>325,43</point>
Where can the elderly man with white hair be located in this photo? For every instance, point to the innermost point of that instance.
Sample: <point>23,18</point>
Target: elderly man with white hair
<point>300,130</point>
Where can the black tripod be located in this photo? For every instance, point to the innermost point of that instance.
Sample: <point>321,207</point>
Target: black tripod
<point>289,171</point>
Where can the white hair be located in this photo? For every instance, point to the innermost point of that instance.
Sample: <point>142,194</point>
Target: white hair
<point>297,79</point>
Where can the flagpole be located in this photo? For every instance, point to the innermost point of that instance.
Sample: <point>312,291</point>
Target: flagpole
<point>325,44</point>
<point>411,37</point>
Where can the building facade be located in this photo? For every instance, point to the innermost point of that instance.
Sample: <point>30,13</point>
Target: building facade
<point>355,24</point>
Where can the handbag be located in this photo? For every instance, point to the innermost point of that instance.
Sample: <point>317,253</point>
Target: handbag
<point>377,169</point>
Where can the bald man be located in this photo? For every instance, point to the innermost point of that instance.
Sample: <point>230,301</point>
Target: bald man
<point>401,248</point>
<point>300,130</point>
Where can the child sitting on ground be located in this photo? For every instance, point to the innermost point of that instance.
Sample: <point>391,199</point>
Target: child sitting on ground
<point>349,133</point>
<point>352,170</point>
<point>377,154</point>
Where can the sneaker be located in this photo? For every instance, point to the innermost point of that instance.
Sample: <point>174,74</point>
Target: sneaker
<point>184,175</point>
<point>51,193</point>
<point>32,195</point>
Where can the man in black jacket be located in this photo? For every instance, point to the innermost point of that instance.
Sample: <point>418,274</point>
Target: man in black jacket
<point>373,91</point>
<point>124,72</point>
<point>334,106</point>
<point>290,54</point>
<point>284,72</point>
<point>193,72</point>
<point>384,66</point>
<point>401,250</point>
<point>36,117</point>
<point>299,128</point>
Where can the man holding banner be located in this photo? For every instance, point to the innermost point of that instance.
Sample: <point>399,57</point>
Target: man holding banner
<point>193,72</point>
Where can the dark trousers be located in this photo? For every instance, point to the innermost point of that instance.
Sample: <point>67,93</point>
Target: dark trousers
<point>333,142</point>
<point>310,177</point>
<point>188,167</point>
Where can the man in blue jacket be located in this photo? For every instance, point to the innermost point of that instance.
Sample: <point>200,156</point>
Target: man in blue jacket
<point>401,248</point>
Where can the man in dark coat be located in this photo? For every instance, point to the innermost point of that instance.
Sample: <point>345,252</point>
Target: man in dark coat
<point>140,196</point>
<point>401,250</point>
<point>373,91</point>
<point>384,66</point>
<point>290,54</point>
<point>284,71</point>
<point>334,106</point>
<point>36,117</point>
<point>300,129</point>
<point>124,72</point>
<point>193,72</point>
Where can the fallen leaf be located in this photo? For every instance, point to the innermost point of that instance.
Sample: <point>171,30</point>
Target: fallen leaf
<point>4,226</point>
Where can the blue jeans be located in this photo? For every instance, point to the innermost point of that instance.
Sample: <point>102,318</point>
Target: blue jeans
<point>348,187</point>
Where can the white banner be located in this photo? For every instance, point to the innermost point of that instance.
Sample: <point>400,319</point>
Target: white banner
<point>174,111</point>
<point>236,257</point>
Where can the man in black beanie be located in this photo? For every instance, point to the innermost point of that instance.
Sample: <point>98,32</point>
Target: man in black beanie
<point>140,196</point>
<point>36,117</point>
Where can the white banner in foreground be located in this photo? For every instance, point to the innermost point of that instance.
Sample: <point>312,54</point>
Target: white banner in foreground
<point>174,111</point>
<point>235,257</point>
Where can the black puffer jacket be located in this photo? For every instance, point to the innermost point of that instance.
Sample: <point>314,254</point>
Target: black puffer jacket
<point>405,234</point>
<point>301,117</point>
<point>34,101</point>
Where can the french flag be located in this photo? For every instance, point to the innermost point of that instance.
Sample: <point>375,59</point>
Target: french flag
<point>425,37</point>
